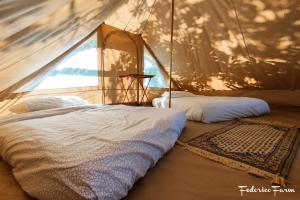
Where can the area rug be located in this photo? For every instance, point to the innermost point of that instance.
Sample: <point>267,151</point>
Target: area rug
<point>262,149</point>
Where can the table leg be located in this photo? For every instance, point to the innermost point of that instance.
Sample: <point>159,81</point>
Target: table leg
<point>127,90</point>
<point>145,90</point>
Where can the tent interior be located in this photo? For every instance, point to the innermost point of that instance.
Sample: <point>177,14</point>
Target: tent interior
<point>236,48</point>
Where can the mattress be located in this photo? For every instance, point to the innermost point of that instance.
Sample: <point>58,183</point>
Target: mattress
<point>181,174</point>
<point>210,109</point>
<point>92,152</point>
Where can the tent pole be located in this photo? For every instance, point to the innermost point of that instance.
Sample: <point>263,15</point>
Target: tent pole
<point>102,74</point>
<point>171,52</point>
<point>102,66</point>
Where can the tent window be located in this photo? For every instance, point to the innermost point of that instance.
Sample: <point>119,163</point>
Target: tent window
<point>151,67</point>
<point>78,69</point>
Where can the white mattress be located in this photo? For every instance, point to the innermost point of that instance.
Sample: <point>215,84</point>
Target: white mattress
<point>210,109</point>
<point>86,152</point>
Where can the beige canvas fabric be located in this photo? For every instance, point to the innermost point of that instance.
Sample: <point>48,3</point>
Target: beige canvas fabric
<point>244,46</point>
<point>224,45</point>
<point>232,47</point>
<point>48,30</point>
<point>212,49</point>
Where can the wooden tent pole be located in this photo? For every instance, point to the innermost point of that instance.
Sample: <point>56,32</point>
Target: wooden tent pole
<point>171,52</point>
<point>102,74</point>
<point>103,46</point>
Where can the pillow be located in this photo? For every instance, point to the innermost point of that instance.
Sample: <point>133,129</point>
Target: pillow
<point>176,94</point>
<point>48,102</point>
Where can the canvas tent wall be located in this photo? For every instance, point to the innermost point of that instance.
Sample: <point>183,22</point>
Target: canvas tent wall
<point>227,45</point>
<point>243,44</point>
<point>237,47</point>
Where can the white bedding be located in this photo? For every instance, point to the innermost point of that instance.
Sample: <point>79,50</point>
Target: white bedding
<point>87,152</point>
<point>210,109</point>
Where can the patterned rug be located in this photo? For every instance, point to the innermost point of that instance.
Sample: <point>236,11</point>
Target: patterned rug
<point>259,148</point>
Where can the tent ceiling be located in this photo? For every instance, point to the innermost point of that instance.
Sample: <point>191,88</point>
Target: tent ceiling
<point>219,45</point>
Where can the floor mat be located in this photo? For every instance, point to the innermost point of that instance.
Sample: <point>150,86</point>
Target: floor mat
<point>262,149</point>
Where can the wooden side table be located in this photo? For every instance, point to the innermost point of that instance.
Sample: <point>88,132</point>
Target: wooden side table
<point>140,79</point>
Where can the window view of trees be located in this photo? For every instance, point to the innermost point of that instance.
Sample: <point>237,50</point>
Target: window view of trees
<point>152,68</point>
<point>78,69</point>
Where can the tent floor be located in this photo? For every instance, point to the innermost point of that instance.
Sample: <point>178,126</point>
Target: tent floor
<point>184,175</point>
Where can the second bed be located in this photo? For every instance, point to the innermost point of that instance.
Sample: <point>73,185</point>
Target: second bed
<point>209,109</point>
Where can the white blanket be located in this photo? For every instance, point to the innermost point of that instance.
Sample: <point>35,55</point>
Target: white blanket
<point>210,109</point>
<point>88,153</point>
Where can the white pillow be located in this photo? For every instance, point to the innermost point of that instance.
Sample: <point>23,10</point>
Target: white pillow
<point>47,102</point>
<point>176,94</point>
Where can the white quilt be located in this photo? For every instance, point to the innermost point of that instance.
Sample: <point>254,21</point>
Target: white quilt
<point>210,109</point>
<point>88,152</point>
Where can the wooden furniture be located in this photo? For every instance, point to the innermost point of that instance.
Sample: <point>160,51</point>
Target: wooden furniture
<point>139,78</point>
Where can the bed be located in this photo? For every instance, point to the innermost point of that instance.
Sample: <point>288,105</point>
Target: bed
<point>209,109</point>
<point>86,152</point>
